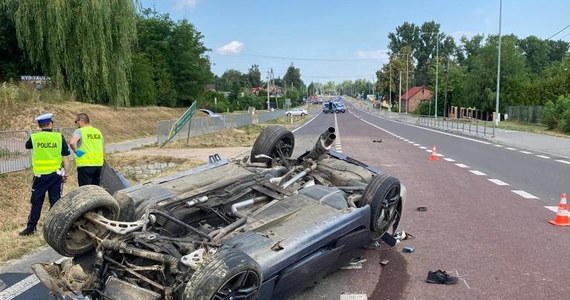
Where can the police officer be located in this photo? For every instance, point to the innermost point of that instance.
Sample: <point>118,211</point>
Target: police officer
<point>87,143</point>
<point>49,151</point>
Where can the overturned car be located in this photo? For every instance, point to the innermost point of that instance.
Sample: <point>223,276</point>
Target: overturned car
<point>261,227</point>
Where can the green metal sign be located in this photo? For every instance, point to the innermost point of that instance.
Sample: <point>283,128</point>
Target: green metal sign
<point>180,123</point>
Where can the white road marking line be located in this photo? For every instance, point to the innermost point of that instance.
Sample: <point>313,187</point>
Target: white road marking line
<point>498,182</point>
<point>440,155</point>
<point>510,148</point>
<point>563,161</point>
<point>338,144</point>
<point>306,123</point>
<point>422,147</point>
<point>525,152</point>
<point>410,142</point>
<point>353,297</point>
<point>524,194</point>
<point>428,150</point>
<point>543,156</point>
<point>432,130</point>
<point>21,286</point>
<point>449,159</point>
<point>417,145</point>
<point>497,145</point>
<point>552,208</point>
<point>462,166</point>
<point>478,173</point>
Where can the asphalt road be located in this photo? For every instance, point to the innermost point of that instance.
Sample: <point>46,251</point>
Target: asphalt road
<point>496,240</point>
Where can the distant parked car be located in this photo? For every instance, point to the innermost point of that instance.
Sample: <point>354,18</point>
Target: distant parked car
<point>210,113</point>
<point>296,112</point>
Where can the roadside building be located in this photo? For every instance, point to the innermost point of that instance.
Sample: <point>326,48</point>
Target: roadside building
<point>414,96</point>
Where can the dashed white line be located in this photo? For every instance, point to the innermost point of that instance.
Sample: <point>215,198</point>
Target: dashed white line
<point>440,155</point>
<point>498,182</point>
<point>497,145</point>
<point>428,150</point>
<point>422,147</point>
<point>410,142</point>
<point>338,145</point>
<point>21,286</point>
<point>552,208</point>
<point>353,297</point>
<point>524,194</point>
<point>543,156</point>
<point>478,173</point>
<point>417,145</point>
<point>462,166</point>
<point>525,152</point>
<point>449,159</point>
<point>563,161</point>
<point>510,148</point>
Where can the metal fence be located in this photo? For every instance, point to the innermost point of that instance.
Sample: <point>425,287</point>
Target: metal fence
<point>270,115</point>
<point>13,153</point>
<point>200,126</point>
<point>466,126</point>
<point>525,114</point>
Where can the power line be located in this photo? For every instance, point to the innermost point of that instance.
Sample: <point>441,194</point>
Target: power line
<point>316,59</point>
<point>558,32</point>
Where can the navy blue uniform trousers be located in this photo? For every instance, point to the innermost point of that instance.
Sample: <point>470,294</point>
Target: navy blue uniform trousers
<point>50,183</point>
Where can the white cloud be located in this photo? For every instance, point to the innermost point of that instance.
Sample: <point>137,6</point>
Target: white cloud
<point>180,4</point>
<point>234,47</point>
<point>373,54</point>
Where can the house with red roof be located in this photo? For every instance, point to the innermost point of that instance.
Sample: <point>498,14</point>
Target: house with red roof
<point>414,96</point>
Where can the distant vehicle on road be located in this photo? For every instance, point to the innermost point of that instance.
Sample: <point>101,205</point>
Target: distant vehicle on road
<point>334,107</point>
<point>210,113</point>
<point>296,112</point>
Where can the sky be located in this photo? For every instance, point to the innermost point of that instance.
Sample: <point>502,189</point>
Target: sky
<point>345,39</point>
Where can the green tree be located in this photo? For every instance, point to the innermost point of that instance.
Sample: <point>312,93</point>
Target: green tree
<point>293,78</point>
<point>537,53</point>
<point>84,46</point>
<point>189,64</point>
<point>143,89</point>
<point>254,76</point>
<point>12,60</point>
<point>231,78</point>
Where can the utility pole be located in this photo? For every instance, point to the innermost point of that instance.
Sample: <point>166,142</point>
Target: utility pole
<point>407,79</point>
<point>436,72</point>
<point>446,83</point>
<point>400,97</point>
<point>496,123</point>
<point>390,83</point>
<point>268,80</point>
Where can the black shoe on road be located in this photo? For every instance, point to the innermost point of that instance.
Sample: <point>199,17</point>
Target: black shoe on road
<point>27,232</point>
<point>441,277</point>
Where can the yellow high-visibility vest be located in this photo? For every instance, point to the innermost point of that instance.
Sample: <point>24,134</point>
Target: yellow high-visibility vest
<point>46,153</point>
<point>92,145</point>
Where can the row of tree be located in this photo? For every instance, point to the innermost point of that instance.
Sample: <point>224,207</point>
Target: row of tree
<point>106,52</point>
<point>533,71</point>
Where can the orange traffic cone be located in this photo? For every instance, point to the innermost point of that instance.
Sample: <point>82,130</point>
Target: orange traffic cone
<point>433,154</point>
<point>561,218</point>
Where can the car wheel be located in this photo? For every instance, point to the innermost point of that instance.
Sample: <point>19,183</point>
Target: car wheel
<point>229,274</point>
<point>288,115</point>
<point>275,142</point>
<point>61,227</point>
<point>302,114</point>
<point>383,196</point>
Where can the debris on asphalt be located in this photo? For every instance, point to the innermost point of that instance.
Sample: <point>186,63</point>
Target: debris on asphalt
<point>355,263</point>
<point>375,244</point>
<point>408,249</point>
<point>377,141</point>
<point>441,277</point>
<point>421,208</point>
<point>384,262</point>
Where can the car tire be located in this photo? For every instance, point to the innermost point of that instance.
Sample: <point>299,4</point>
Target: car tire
<point>60,230</point>
<point>383,196</point>
<point>302,114</point>
<point>288,115</point>
<point>274,141</point>
<point>229,274</point>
